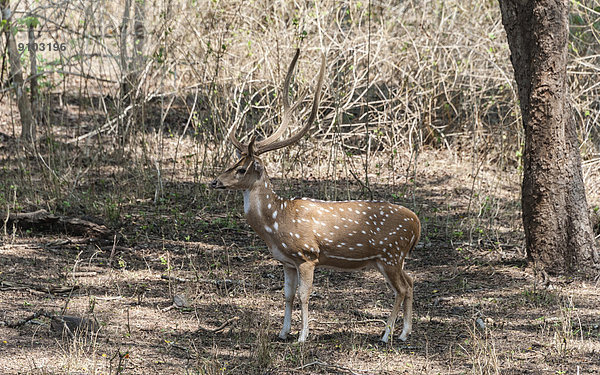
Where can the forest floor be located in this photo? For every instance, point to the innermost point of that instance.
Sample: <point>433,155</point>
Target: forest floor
<point>479,307</point>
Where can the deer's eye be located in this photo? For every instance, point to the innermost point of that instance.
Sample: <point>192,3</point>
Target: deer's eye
<point>241,170</point>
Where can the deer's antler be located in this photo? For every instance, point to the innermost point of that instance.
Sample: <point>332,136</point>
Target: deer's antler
<point>271,143</point>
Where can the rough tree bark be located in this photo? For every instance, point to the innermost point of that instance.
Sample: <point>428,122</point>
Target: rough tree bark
<point>16,74</point>
<point>556,220</point>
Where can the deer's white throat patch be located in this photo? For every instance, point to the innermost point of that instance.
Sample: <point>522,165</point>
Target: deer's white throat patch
<point>246,201</point>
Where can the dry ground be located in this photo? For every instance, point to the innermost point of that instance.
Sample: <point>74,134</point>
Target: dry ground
<point>441,77</point>
<point>194,243</point>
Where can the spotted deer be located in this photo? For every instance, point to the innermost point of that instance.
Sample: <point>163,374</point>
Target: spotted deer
<point>306,233</point>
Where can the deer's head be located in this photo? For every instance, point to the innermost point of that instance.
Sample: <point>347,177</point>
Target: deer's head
<point>249,168</point>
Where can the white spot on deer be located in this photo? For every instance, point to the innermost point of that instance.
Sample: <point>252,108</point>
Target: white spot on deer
<point>350,248</point>
<point>275,225</point>
<point>268,229</point>
<point>274,214</point>
<point>379,229</point>
<point>359,244</point>
<point>297,235</point>
<point>369,207</point>
<point>306,246</point>
<point>381,242</point>
<point>269,206</point>
<point>363,232</point>
<point>336,227</point>
<point>355,221</point>
<point>299,254</point>
<point>355,259</point>
<point>341,209</point>
<point>360,205</point>
<point>291,234</point>
<point>266,184</point>
<point>357,211</point>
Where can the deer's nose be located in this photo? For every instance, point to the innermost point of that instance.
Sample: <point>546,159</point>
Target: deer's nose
<point>216,184</point>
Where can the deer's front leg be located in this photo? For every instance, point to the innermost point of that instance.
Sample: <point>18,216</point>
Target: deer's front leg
<point>290,285</point>
<point>306,273</point>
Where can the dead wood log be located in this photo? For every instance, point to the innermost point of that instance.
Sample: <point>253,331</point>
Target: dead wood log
<point>59,323</point>
<point>42,220</point>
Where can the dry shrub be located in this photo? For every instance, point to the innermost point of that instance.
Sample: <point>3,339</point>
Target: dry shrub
<point>401,76</point>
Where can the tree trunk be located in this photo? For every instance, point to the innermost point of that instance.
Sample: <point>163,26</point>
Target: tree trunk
<point>125,85</point>
<point>556,220</point>
<point>16,75</point>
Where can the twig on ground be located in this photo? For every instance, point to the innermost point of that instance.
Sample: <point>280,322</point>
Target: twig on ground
<point>173,278</point>
<point>337,367</point>
<point>222,326</point>
<point>356,321</point>
<point>22,322</point>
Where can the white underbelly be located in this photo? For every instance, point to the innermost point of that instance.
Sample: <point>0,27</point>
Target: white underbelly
<point>280,256</point>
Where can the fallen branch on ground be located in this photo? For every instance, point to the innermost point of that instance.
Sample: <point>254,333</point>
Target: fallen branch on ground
<point>59,323</point>
<point>38,289</point>
<point>337,367</point>
<point>42,220</point>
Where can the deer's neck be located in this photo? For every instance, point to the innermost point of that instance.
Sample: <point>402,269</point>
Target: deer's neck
<point>262,205</point>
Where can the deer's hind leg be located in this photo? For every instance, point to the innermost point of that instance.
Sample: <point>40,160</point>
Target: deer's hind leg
<point>401,284</point>
<point>306,273</point>
<point>407,307</point>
